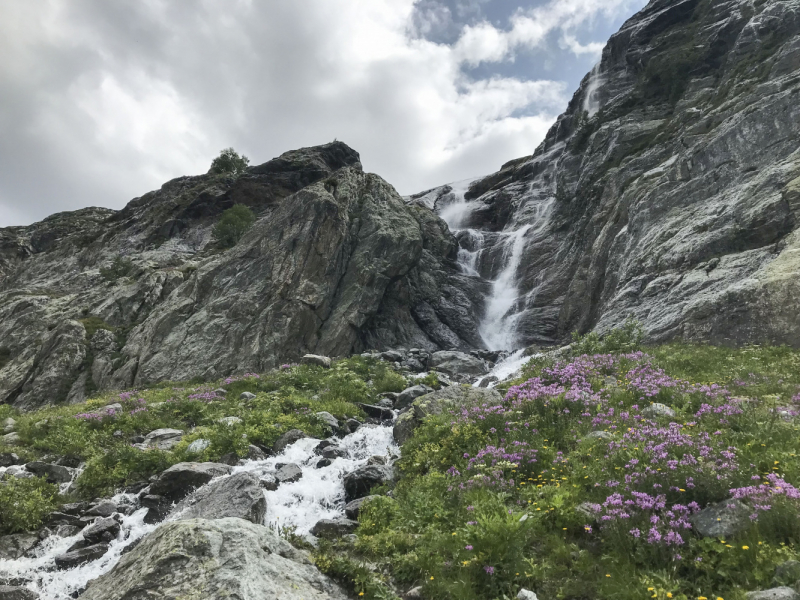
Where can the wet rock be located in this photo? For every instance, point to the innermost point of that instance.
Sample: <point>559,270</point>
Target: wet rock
<point>359,483</point>
<point>377,412</point>
<point>385,403</point>
<point>58,518</point>
<point>177,481</point>
<point>487,381</point>
<point>352,425</point>
<point>75,508</point>
<point>9,458</point>
<point>329,420</point>
<point>457,363</point>
<point>255,453</point>
<point>333,528</point>
<point>53,473</point>
<point>10,592</point>
<point>323,462</point>
<point>231,459</point>
<point>105,508</point>
<point>239,495</point>
<point>247,396</point>
<point>524,594</point>
<point>376,460</point>
<point>197,446</point>
<point>353,508</point>
<point>289,473</point>
<point>102,530</point>
<point>334,452</point>
<point>269,482</point>
<point>408,395</point>
<point>80,556</point>
<point>722,519</point>
<point>287,439</point>
<point>137,487</point>
<point>316,360</point>
<point>163,439</point>
<point>15,545</point>
<point>157,507</point>
<point>229,557</point>
<point>778,593</point>
<point>656,409</point>
<point>322,445</point>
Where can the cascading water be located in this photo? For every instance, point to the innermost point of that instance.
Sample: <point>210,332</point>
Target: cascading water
<point>319,494</point>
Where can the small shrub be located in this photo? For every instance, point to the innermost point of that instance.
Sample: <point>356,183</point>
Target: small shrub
<point>24,503</point>
<point>388,380</point>
<point>627,338</point>
<point>229,162</point>
<point>233,224</point>
<point>120,267</point>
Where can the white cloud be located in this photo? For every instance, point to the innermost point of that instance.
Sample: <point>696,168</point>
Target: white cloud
<point>109,100</point>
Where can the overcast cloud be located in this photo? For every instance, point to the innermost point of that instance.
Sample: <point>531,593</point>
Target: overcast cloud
<point>103,101</point>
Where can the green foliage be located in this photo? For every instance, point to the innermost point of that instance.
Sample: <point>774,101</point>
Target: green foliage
<point>233,224</point>
<point>353,575</point>
<point>627,338</point>
<point>431,380</point>
<point>388,380</point>
<point>120,267</point>
<point>120,466</point>
<point>24,503</point>
<point>229,163</point>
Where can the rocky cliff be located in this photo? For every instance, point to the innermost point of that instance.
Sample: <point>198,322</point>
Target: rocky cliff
<point>335,263</point>
<point>669,190</point>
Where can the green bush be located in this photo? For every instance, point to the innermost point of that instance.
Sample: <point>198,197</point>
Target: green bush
<point>627,338</point>
<point>388,380</point>
<point>120,267</point>
<point>24,503</point>
<point>233,224</point>
<point>229,162</point>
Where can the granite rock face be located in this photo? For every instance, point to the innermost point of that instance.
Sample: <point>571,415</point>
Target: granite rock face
<point>336,262</point>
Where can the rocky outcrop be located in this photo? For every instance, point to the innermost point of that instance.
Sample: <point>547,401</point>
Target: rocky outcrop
<point>239,496</point>
<point>229,558</point>
<point>336,263</point>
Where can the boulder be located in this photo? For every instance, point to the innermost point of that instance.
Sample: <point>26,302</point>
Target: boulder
<point>222,392</point>
<point>9,424</point>
<point>353,508</point>
<point>289,473</point>
<point>376,460</point>
<point>9,458</point>
<point>457,363</point>
<point>77,557</point>
<point>385,403</point>
<point>53,473</point>
<point>330,421</point>
<point>392,356</point>
<point>408,395</point>
<point>487,381</point>
<point>333,528</point>
<point>287,439</point>
<point>323,462</point>
<point>16,545</point>
<point>436,403</point>
<point>255,453</point>
<point>352,425</point>
<point>102,530</point>
<point>377,412</point>
<point>163,439</point>
<point>75,508</point>
<point>58,518</point>
<point>110,409</point>
<point>197,446</point>
<point>269,482</point>
<point>177,481</point>
<point>413,364</point>
<point>157,507</point>
<point>778,593</point>
<point>524,594</point>
<point>334,452</point>
<point>239,495</point>
<point>656,409</point>
<point>322,445</point>
<point>12,592</point>
<point>722,519</point>
<point>229,558</point>
<point>359,483</point>
<point>316,360</point>
<point>247,396</point>
<point>104,508</point>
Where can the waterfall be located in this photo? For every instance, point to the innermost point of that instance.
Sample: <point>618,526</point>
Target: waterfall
<point>591,102</point>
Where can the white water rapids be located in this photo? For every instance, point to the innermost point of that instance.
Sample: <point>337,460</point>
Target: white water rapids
<point>319,494</point>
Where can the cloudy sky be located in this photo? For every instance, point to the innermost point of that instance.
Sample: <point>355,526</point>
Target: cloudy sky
<point>102,101</point>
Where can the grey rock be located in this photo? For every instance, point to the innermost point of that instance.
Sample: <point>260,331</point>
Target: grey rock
<point>163,439</point>
<point>408,395</point>
<point>15,545</point>
<point>246,396</point>
<point>322,445</point>
<point>352,425</point>
<point>110,409</point>
<point>231,459</point>
<point>376,460</point>
<point>323,462</point>
<point>53,473</point>
<point>103,530</point>
<point>12,439</point>
<point>17,471</point>
<point>225,557</point>
<point>104,508</point>
<point>239,495</point>
<point>392,356</point>
<point>269,482</point>
<point>377,412</point>
<point>524,594</point>
<point>333,528</point>
<point>289,473</point>
<point>329,420</point>
<point>9,424</point>
<point>656,409</point>
<point>10,592</point>
<point>76,508</point>
<point>359,483</point>
<point>255,453</point>
<point>787,573</point>
<point>316,360</point>
<point>448,398</point>
<point>413,364</point>
<point>9,458</point>
<point>334,452</point>
<point>385,403</point>
<point>353,508</point>
<point>197,446</point>
<point>287,439</point>
<point>722,519</point>
<point>180,479</point>
<point>487,381</point>
<point>778,593</point>
<point>80,556</point>
<point>58,518</point>
<point>458,363</point>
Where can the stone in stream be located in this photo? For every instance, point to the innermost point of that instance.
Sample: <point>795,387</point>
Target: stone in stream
<point>287,439</point>
<point>487,381</point>
<point>362,480</point>
<point>322,445</point>
<point>11,592</point>
<point>237,496</point>
<point>330,421</point>
<point>104,508</point>
<point>268,482</point>
<point>333,528</point>
<point>163,439</point>
<point>385,403</point>
<point>177,481</point>
<point>323,462</point>
<point>15,545</point>
<point>353,508</point>
<point>53,473</point>
<point>352,425</point>
<point>377,412</point>
<point>74,508</point>
<point>255,453</point>
<point>58,518</point>
<point>289,473</point>
<point>102,530</point>
<point>334,452</point>
<point>316,360</point>
<point>77,557</point>
<point>9,458</point>
<point>229,558</point>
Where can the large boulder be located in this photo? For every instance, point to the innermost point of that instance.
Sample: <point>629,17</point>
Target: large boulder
<point>316,360</point>
<point>722,519</point>
<point>16,544</point>
<point>239,495</point>
<point>408,395</point>
<point>225,558</point>
<point>287,439</point>
<point>778,593</point>
<point>11,592</point>
<point>163,439</point>
<point>102,530</point>
<point>362,480</point>
<point>53,473</point>
<point>436,403</point>
<point>77,557</point>
<point>458,363</point>
<point>332,529</point>
<point>177,481</point>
